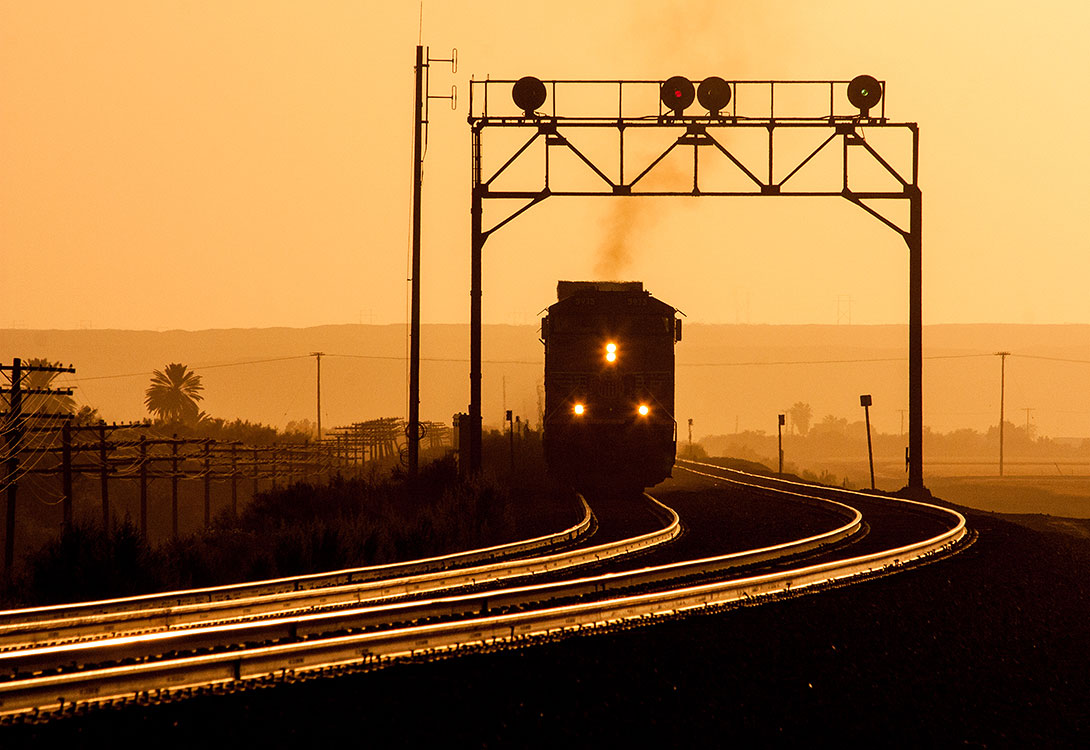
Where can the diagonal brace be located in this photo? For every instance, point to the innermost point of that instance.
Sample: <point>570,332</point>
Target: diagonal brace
<point>803,163</point>
<point>726,152</point>
<point>516,155</point>
<point>852,198</point>
<point>533,202</point>
<point>588,162</point>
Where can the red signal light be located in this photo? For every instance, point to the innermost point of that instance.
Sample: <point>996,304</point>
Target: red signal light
<point>677,93</point>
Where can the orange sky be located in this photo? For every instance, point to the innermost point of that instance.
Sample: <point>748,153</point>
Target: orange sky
<point>247,162</point>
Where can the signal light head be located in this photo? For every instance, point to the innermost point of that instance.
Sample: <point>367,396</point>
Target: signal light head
<point>644,410</point>
<point>677,93</point>
<point>864,92</point>
<point>529,94</point>
<point>713,93</point>
<point>579,409</point>
<point>611,352</point>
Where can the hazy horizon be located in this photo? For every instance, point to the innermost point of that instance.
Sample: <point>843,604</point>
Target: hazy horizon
<point>728,376</point>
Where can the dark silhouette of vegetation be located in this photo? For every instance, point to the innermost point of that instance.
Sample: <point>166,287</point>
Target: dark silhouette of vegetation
<point>242,431</point>
<point>303,427</point>
<point>306,528</point>
<point>800,415</point>
<point>174,393</point>
<point>85,416</point>
<point>694,452</point>
<point>85,563</point>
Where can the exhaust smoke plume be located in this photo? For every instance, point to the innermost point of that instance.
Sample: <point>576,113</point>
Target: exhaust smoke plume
<point>615,253</point>
<point>630,220</point>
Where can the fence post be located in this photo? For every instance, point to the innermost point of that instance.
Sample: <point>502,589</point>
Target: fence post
<point>174,486</point>
<point>207,483</point>
<point>144,486</point>
<point>14,437</point>
<point>234,480</point>
<point>104,475</point>
<point>66,472</point>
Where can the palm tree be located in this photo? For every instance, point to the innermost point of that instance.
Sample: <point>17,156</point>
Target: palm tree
<point>174,393</point>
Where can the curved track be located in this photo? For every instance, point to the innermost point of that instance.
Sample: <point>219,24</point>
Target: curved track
<point>13,619</point>
<point>870,536</point>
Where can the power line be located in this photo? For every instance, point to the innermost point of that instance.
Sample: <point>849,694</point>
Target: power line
<point>824,361</point>
<point>1053,359</point>
<point>198,367</point>
<point>538,362</point>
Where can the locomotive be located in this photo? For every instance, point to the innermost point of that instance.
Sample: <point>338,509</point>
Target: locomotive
<point>609,385</point>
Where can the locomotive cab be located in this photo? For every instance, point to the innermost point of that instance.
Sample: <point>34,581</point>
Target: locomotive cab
<point>609,384</point>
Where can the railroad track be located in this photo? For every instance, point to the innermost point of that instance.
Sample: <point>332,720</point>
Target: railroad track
<point>163,662</point>
<point>267,599</point>
<point>41,617</point>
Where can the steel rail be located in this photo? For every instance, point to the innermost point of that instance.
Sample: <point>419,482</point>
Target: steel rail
<point>117,649</point>
<point>289,584</point>
<point>18,635</point>
<point>163,678</point>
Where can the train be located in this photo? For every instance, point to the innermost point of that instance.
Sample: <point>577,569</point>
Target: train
<point>609,385</point>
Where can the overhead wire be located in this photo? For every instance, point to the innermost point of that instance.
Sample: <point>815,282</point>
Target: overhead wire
<point>462,360</point>
<point>1052,359</point>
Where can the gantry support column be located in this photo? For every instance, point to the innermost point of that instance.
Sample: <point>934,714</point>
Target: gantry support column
<point>914,239</point>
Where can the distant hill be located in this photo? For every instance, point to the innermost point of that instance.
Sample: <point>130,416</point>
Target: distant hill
<point>728,375</point>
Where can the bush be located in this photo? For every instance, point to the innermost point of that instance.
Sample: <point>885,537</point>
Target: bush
<point>296,530</point>
<point>85,563</point>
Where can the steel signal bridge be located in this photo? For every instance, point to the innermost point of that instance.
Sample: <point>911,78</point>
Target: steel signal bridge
<point>754,127</point>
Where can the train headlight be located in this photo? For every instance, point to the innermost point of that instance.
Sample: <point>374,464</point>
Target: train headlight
<point>644,410</point>
<point>611,352</point>
<point>579,409</point>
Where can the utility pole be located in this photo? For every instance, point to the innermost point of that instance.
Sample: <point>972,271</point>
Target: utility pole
<point>318,357</point>
<point>14,432</point>
<point>420,129</point>
<point>14,440</point>
<point>412,431</point>
<point>779,437</point>
<point>1027,410</point>
<point>511,437</point>
<point>1002,395</point>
